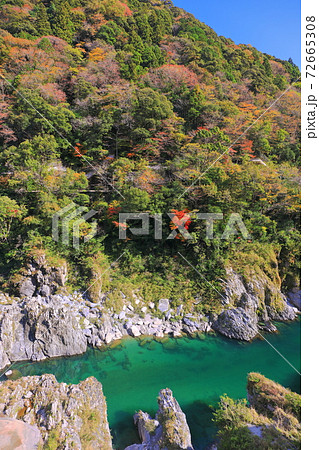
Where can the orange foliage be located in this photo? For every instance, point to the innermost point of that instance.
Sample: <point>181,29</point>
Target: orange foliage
<point>97,54</point>
<point>77,152</point>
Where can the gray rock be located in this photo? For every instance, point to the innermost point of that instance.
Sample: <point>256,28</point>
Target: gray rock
<point>27,288</point>
<point>169,426</point>
<point>134,331</point>
<point>4,360</point>
<point>163,305</point>
<point>36,330</point>
<point>284,314</point>
<point>255,430</point>
<point>58,333</point>
<point>294,298</point>
<point>45,290</point>
<point>179,310</point>
<point>236,324</point>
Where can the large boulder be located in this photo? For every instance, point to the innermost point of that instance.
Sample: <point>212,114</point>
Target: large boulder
<point>236,323</point>
<point>163,305</point>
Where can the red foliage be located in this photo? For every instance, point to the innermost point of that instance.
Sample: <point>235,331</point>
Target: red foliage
<point>246,147</point>
<point>77,152</point>
<point>5,132</point>
<point>101,73</point>
<point>52,93</point>
<point>120,225</point>
<point>171,77</point>
<point>181,219</point>
<point>113,211</point>
<point>127,11</point>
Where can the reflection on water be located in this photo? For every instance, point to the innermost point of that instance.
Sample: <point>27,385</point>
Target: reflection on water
<point>197,370</point>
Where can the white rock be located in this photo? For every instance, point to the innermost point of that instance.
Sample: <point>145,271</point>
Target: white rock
<point>163,304</point>
<point>109,338</point>
<point>144,309</point>
<point>159,333</point>
<point>151,305</point>
<point>179,309</point>
<point>134,331</point>
<point>29,394</point>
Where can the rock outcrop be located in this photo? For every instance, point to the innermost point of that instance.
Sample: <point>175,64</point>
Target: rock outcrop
<point>250,306</point>
<point>169,429</point>
<point>236,323</point>
<point>271,420</point>
<point>35,329</point>
<point>66,416</point>
<point>40,276</point>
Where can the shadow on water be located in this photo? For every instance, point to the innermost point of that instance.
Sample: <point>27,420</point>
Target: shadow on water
<point>199,418</point>
<point>124,433</point>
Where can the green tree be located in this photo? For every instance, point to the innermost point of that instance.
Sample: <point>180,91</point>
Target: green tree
<point>196,107</point>
<point>4,50</point>
<point>42,20</point>
<point>9,211</point>
<point>61,22</point>
<point>151,108</point>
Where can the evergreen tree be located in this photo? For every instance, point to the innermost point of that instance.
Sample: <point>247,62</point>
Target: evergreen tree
<point>61,22</point>
<point>43,26</point>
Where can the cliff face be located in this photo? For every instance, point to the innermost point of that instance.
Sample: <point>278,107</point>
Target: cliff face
<point>35,330</point>
<point>67,416</point>
<point>169,430</point>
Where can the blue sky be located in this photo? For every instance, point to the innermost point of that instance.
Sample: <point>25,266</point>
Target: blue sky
<point>272,26</point>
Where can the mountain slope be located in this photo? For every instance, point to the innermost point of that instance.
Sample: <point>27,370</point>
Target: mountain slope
<point>137,106</point>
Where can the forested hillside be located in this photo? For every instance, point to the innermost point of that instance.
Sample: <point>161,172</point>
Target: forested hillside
<point>119,106</point>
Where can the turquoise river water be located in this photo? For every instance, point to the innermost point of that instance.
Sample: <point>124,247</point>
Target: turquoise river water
<point>197,370</point>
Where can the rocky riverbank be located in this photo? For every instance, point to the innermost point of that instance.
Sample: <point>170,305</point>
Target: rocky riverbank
<point>39,327</point>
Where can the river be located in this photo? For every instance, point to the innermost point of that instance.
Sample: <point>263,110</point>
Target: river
<point>197,370</point>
